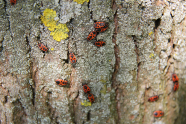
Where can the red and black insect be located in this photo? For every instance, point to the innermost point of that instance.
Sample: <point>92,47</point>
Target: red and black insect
<point>100,26</point>
<point>86,88</point>
<point>101,29</point>
<point>92,35</point>
<point>42,47</point>
<point>158,113</point>
<point>91,97</point>
<point>153,98</point>
<point>176,86</point>
<point>175,78</point>
<point>61,82</point>
<point>72,57</point>
<point>99,43</point>
<point>12,2</point>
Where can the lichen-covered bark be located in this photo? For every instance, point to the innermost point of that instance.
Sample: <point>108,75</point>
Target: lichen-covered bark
<point>145,45</point>
<point>16,87</point>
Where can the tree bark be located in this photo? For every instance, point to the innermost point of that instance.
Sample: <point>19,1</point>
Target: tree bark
<point>145,45</point>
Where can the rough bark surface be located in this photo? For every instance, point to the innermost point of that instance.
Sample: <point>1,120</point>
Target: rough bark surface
<point>145,45</point>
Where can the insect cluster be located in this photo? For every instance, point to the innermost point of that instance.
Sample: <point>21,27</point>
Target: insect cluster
<point>62,82</point>
<point>99,27</point>
<point>87,91</point>
<point>175,80</point>
<point>160,113</point>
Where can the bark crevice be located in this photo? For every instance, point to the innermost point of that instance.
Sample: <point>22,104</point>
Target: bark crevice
<point>33,86</point>
<point>117,61</point>
<point>137,54</point>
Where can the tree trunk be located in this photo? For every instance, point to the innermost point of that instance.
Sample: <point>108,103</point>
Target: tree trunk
<point>145,45</point>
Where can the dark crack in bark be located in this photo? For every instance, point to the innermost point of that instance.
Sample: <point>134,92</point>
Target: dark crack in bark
<point>157,23</point>
<point>91,15</point>
<point>1,47</point>
<point>137,54</point>
<point>88,116</point>
<point>116,51</point>
<point>33,77</point>
<point>117,61</point>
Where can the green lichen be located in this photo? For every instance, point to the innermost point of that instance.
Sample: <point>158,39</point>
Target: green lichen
<point>81,1</point>
<point>59,31</point>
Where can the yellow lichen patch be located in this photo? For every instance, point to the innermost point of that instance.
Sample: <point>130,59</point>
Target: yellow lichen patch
<point>52,49</point>
<point>49,13</point>
<point>103,81</point>
<point>48,17</point>
<point>151,55</point>
<point>86,103</point>
<point>51,26</point>
<point>59,31</point>
<point>81,1</point>
<point>104,89</point>
<point>150,33</point>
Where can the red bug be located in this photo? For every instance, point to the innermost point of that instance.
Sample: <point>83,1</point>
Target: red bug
<point>61,82</point>
<point>86,88</point>
<point>175,78</point>
<point>72,57</point>
<point>42,47</point>
<point>12,2</point>
<point>92,35</point>
<point>176,86</point>
<point>91,97</point>
<point>101,29</point>
<point>158,113</point>
<point>153,98</point>
<point>99,43</point>
<point>100,26</point>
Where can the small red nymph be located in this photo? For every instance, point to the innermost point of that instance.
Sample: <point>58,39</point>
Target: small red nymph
<point>12,2</point>
<point>61,82</point>
<point>99,43</point>
<point>158,113</point>
<point>72,57</point>
<point>100,26</point>
<point>153,98</point>
<point>92,35</point>
<point>42,47</point>
<point>86,88</point>
<point>175,78</point>
<point>176,86</point>
<point>91,97</point>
